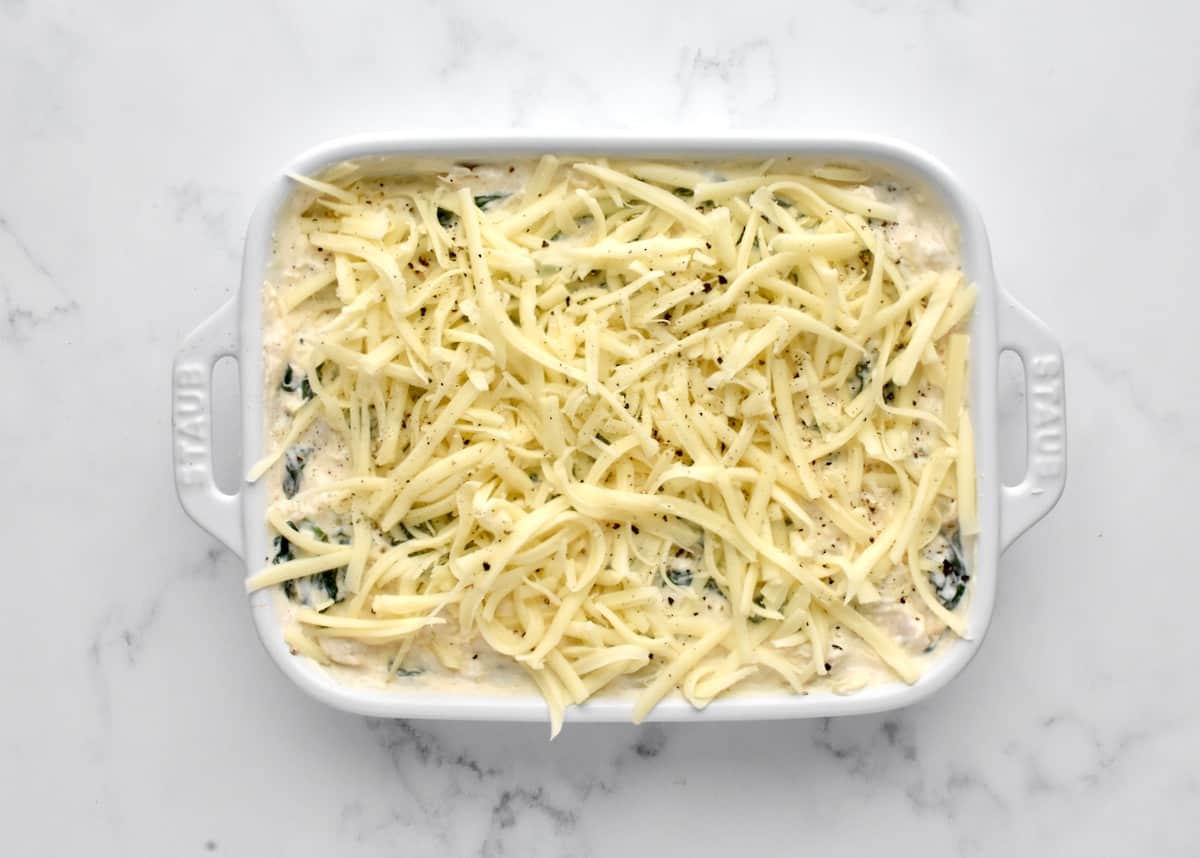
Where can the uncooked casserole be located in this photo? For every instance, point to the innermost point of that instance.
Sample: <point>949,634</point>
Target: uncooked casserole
<point>608,426</point>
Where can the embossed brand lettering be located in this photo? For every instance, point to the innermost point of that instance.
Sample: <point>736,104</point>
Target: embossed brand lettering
<point>1046,366</point>
<point>192,427</point>
<point>191,423</point>
<point>190,375</point>
<point>1046,417</point>
<point>189,399</point>
<point>192,474</point>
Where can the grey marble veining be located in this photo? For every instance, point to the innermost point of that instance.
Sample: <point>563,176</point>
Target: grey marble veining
<point>143,718</point>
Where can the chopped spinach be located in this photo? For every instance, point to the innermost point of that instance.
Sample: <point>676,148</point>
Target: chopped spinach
<point>329,581</point>
<point>950,577</point>
<point>283,553</point>
<point>862,374</point>
<point>401,671</point>
<point>783,204</point>
<point>685,193</point>
<point>318,591</point>
<point>291,380</point>
<point>712,586</point>
<point>315,530</point>
<point>679,577</point>
<point>446,218</point>
<point>485,200</point>
<point>761,601</point>
<point>295,382</point>
<point>283,550</point>
<point>294,461</point>
<point>313,591</point>
<point>889,392</point>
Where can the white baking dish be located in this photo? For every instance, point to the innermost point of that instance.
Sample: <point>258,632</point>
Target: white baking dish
<point>998,324</point>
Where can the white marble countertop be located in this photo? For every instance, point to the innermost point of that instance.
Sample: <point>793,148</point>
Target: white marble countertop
<point>141,715</point>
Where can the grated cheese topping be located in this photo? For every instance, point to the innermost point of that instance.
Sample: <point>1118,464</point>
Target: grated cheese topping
<point>638,426</point>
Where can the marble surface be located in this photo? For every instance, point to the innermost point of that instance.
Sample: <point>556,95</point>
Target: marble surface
<point>141,717</point>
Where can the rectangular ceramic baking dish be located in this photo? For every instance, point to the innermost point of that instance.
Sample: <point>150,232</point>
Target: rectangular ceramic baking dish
<point>998,324</point>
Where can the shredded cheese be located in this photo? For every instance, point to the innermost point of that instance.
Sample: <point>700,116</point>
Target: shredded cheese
<point>648,425</point>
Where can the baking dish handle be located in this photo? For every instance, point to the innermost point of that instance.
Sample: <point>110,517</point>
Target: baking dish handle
<point>1031,499</point>
<point>191,397</point>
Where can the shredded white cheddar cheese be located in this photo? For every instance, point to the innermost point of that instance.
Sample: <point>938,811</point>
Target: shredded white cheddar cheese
<point>626,428</point>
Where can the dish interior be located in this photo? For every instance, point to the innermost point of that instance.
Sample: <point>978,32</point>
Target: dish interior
<point>919,198</point>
